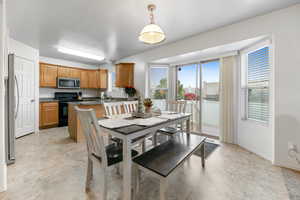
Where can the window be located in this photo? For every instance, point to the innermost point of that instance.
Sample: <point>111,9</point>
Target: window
<point>258,70</point>
<point>158,84</point>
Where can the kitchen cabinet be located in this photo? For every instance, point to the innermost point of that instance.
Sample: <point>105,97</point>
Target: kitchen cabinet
<point>48,75</point>
<point>93,79</point>
<point>125,75</point>
<point>48,114</point>
<point>74,125</point>
<point>68,72</point>
<point>63,72</point>
<point>84,79</point>
<point>102,79</point>
<point>74,73</point>
<point>89,79</point>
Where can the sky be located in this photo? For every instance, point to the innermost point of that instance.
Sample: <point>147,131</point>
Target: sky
<point>188,73</point>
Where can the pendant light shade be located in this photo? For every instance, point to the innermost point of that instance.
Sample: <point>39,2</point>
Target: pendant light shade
<point>152,33</point>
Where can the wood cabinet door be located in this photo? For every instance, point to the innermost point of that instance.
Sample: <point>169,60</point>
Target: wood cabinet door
<point>48,75</point>
<point>93,78</point>
<point>125,75</point>
<point>74,73</point>
<point>64,72</point>
<point>49,114</point>
<point>84,79</point>
<point>102,79</point>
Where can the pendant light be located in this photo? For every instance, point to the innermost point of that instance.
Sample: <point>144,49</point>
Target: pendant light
<point>152,33</point>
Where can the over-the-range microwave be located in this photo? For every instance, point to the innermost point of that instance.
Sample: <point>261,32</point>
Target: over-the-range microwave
<point>68,83</point>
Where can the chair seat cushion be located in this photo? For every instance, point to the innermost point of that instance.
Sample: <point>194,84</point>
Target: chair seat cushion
<point>114,154</point>
<point>169,130</point>
<point>119,141</point>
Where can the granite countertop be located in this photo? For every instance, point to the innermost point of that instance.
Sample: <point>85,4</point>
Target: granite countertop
<point>48,100</point>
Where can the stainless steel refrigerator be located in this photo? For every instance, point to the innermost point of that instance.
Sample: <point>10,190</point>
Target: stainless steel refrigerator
<point>11,109</point>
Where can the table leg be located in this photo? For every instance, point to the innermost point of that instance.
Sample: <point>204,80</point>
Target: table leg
<point>203,155</point>
<point>154,138</point>
<point>127,164</point>
<point>188,126</point>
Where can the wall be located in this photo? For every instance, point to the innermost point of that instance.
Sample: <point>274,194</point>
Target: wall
<point>113,91</point>
<point>286,33</point>
<point>3,174</point>
<point>49,92</point>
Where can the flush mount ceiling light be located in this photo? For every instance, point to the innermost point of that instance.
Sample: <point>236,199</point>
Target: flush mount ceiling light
<point>152,33</point>
<point>79,53</point>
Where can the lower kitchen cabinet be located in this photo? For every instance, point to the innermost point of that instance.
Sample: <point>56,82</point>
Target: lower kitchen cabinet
<point>48,114</point>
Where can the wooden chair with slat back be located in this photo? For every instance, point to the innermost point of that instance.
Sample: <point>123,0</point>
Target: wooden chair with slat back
<point>130,106</point>
<point>113,109</point>
<point>175,106</point>
<point>106,156</point>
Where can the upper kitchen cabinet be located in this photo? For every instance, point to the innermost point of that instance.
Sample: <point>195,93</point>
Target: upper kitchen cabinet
<point>68,72</point>
<point>63,72</point>
<point>93,79</point>
<point>125,75</point>
<point>74,73</point>
<point>84,79</point>
<point>48,75</point>
<point>102,79</point>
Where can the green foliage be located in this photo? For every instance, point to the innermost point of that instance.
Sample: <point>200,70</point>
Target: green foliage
<point>180,90</point>
<point>161,93</point>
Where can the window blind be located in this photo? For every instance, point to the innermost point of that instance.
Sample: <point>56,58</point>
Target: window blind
<point>258,71</point>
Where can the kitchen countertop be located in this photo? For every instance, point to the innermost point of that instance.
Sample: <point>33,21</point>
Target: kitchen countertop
<point>48,100</point>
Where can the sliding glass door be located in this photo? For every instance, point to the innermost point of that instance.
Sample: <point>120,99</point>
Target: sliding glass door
<point>188,89</point>
<point>210,84</point>
<point>198,85</point>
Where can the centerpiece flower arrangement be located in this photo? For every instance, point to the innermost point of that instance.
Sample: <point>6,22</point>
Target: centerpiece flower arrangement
<point>148,104</point>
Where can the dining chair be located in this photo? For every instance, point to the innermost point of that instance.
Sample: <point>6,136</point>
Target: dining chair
<point>113,109</point>
<point>130,106</point>
<point>106,156</point>
<point>124,109</point>
<point>178,106</point>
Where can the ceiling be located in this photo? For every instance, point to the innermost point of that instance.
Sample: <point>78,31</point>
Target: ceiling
<point>210,53</point>
<point>110,28</point>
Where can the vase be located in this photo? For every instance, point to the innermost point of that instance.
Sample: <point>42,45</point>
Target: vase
<point>148,109</point>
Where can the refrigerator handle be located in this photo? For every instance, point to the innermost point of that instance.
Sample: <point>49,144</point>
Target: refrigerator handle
<point>18,94</point>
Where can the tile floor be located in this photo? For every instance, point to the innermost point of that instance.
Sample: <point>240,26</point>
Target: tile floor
<point>50,166</point>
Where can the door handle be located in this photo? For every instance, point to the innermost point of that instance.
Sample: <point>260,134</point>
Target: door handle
<point>32,100</point>
<point>18,94</point>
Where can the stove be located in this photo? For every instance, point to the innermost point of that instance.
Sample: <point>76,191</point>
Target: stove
<point>63,99</point>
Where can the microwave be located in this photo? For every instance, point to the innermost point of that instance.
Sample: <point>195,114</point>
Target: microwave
<point>71,83</point>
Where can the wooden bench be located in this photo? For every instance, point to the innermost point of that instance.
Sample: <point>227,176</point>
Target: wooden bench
<point>162,160</point>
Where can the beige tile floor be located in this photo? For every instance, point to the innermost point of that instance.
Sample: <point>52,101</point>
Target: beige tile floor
<point>50,166</point>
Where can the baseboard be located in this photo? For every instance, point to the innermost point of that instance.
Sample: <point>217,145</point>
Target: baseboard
<point>3,178</point>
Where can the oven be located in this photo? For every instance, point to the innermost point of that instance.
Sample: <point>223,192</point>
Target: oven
<point>70,83</point>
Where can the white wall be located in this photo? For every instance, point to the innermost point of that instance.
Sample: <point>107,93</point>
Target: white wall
<point>284,26</point>
<point>113,91</point>
<point>256,136</point>
<point>49,92</point>
<point>3,174</point>
<point>67,63</point>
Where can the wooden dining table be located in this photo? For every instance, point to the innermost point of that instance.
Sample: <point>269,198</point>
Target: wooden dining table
<point>128,133</point>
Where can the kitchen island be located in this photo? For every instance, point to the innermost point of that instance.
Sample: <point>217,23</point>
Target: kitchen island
<point>74,125</point>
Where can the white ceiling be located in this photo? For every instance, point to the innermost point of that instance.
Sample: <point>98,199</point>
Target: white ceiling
<point>210,53</point>
<point>111,27</point>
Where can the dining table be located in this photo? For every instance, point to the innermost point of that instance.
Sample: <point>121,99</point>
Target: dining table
<point>128,129</point>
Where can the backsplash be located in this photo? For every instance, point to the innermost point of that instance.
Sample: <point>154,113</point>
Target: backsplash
<point>49,92</point>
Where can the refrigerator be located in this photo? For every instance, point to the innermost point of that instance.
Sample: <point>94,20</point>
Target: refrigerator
<point>11,109</point>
